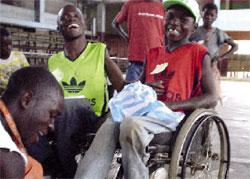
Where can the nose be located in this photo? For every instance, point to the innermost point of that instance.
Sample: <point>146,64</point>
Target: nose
<point>72,16</point>
<point>176,21</point>
<point>207,16</point>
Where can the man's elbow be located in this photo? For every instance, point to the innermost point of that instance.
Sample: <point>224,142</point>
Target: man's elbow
<point>114,23</point>
<point>212,101</point>
<point>236,47</point>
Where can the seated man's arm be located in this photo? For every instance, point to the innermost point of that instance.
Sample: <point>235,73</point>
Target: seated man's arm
<point>208,97</point>
<point>114,73</point>
<point>11,164</point>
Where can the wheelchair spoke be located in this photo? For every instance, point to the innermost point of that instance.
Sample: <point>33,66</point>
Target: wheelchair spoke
<point>205,148</point>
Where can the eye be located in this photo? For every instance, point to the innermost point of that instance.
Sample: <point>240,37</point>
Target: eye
<point>183,19</point>
<point>169,16</point>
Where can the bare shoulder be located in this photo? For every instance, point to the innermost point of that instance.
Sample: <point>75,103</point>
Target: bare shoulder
<point>11,164</point>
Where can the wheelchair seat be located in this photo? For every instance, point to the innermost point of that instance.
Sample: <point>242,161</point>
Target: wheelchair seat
<point>162,138</point>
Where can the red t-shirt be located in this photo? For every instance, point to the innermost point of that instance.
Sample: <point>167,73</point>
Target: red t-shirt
<point>144,25</point>
<point>181,72</point>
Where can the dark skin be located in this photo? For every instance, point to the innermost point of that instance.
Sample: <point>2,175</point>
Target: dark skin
<point>75,42</point>
<point>28,125</point>
<point>209,16</point>
<point>179,25</point>
<point>6,47</point>
<point>11,160</point>
<point>176,20</point>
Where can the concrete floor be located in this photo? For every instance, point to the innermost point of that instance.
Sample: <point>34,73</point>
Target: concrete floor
<point>236,113</point>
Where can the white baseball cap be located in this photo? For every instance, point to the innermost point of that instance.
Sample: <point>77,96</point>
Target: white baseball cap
<point>191,5</point>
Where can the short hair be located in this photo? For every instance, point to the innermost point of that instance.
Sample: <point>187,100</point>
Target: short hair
<point>36,79</point>
<point>59,14</point>
<point>210,6</point>
<point>4,32</point>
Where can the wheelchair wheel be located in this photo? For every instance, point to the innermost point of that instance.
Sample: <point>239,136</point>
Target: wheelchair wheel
<point>202,148</point>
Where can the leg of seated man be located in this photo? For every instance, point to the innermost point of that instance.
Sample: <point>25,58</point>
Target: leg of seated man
<point>97,161</point>
<point>71,126</point>
<point>135,135</point>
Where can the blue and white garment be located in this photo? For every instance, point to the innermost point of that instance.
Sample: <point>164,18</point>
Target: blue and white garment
<point>137,99</point>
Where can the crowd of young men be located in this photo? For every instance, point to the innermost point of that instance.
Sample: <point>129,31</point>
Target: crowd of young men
<point>79,74</point>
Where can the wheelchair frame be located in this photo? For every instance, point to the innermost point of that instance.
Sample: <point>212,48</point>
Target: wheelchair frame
<point>175,155</point>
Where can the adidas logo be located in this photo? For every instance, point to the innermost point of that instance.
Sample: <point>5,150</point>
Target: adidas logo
<point>73,87</point>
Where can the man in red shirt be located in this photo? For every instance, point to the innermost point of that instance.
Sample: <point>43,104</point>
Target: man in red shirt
<point>145,30</point>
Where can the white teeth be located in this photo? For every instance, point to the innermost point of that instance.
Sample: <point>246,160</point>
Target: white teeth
<point>40,133</point>
<point>73,26</point>
<point>173,31</point>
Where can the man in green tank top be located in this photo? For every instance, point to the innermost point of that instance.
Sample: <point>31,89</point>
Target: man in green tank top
<point>81,70</point>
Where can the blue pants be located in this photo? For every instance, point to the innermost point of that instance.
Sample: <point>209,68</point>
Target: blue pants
<point>134,70</point>
<point>71,126</point>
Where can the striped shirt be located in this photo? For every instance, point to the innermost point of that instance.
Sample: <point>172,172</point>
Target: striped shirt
<point>15,61</point>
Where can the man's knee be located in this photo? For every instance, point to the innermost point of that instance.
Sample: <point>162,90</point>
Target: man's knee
<point>128,127</point>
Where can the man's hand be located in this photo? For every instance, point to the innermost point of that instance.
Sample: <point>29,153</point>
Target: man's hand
<point>157,86</point>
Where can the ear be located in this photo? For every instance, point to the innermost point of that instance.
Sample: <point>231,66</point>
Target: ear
<point>195,27</point>
<point>58,29</point>
<point>26,99</point>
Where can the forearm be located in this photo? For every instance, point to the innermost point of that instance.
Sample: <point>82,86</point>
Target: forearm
<point>233,48</point>
<point>120,30</point>
<point>203,101</point>
<point>114,73</point>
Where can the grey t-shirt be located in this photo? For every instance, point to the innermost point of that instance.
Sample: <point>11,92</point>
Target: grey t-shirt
<point>212,39</point>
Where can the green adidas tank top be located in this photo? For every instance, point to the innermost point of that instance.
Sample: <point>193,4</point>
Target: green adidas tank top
<point>85,76</point>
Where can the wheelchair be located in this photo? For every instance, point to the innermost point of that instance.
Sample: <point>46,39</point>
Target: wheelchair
<point>199,148</point>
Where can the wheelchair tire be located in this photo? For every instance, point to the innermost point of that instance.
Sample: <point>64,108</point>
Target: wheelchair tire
<point>187,163</point>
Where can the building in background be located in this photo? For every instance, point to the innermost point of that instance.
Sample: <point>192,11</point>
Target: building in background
<point>33,26</point>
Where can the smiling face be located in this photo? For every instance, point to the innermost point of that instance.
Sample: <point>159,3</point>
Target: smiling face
<point>179,24</point>
<point>209,16</point>
<point>70,22</point>
<point>39,117</point>
<point>5,46</point>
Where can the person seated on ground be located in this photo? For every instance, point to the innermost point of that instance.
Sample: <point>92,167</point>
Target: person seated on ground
<point>184,84</point>
<point>213,38</point>
<point>10,61</point>
<point>81,69</point>
<point>32,100</point>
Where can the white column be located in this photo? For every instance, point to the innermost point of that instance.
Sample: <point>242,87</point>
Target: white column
<point>39,10</point>
<point>101,17</point>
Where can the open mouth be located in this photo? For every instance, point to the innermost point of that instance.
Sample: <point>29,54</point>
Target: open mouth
<point>175,32</point>
<point>73,26</point>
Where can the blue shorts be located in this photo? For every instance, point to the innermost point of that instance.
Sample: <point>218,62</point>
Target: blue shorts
<point>134,70</point>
